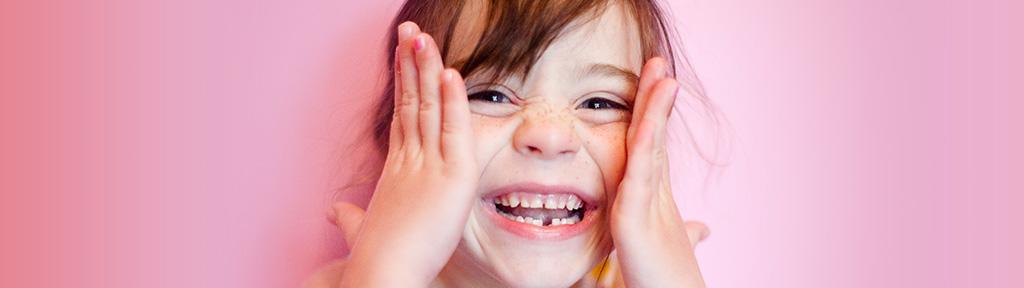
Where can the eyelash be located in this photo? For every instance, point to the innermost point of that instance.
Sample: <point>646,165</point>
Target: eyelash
<point>608,104</point>
<point>490,96</point>
<point>493,96</point>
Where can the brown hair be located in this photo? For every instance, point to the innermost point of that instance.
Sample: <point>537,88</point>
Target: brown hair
<point>516,33</point>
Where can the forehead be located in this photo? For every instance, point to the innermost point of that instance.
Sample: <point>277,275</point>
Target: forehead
<point>610,37</point>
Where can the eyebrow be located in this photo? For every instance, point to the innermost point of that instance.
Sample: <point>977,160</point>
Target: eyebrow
<point>599,69</point>
<point>609,70</point>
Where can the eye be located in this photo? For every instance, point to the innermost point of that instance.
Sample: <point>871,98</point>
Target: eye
<point>492,103</point>
<point>490,96</point>
<point>598,103</point>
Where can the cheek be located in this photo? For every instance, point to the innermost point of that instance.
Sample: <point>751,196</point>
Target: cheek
<point>607,145</point>
<point>490,134</point>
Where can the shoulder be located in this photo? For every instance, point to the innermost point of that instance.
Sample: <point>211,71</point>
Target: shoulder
<point>328,276</point>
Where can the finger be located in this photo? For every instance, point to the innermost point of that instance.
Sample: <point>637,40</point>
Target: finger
<point>348,218</point>
<point>653,71</point>
<point>428,64</point>
<point>407,102</point>
<point>455,127</point>
<point>646,151</point>
<point>637,182</point>
<point>395,132</point>
<point>696,232</point>
<point>650,129</point>
<point>663,96</point>
<point>662,99</point>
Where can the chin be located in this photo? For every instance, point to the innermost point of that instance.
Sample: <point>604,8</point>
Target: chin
<point>545,271</point>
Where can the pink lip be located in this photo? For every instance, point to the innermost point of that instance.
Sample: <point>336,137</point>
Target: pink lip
<point>529,231</point>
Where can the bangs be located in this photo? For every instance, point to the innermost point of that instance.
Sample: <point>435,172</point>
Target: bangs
<point>516,34</point>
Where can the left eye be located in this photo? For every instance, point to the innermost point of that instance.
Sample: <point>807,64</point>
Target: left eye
<point>601,103</point>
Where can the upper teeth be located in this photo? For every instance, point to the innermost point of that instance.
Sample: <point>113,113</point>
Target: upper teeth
<point>546,201</point>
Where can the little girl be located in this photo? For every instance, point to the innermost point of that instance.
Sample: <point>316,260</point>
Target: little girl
<point>524,141</point>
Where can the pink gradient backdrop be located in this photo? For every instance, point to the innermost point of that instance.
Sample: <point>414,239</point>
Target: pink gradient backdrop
<point>194,143</point>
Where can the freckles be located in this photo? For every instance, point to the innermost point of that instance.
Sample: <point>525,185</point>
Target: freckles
<point>607,143</point>
<point>486,126</point>
<point>610,135</point>
<point>490,135</point>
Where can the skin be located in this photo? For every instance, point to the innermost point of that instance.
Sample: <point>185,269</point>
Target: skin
<point>601,130</point>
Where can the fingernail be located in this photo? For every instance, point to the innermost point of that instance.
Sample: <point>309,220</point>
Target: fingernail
<point>420,43</point>
<point>404,31</point>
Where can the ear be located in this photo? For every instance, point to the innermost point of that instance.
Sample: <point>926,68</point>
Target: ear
<point>696,231</point>
<point>348,218</point>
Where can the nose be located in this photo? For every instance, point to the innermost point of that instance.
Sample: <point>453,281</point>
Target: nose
<point>546,139</point>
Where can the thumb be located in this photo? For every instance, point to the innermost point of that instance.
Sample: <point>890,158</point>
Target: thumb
<point>348,217</point>
<point>696,231</point>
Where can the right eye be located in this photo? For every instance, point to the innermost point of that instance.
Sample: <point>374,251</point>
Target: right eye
<point>491,102</point>
<point>490,96</point>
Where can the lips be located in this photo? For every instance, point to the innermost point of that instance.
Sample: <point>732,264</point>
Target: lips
<point>542,212</point>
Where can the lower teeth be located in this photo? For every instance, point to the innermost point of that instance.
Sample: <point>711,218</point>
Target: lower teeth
<point>540,222</point>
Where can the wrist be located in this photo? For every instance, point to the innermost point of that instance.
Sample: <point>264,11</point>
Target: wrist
<point>379,270</point>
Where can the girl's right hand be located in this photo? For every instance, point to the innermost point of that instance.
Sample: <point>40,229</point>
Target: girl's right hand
<point>428,185</point>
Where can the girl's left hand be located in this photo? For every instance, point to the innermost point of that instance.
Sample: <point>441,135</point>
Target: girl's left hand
<point>651,239</point>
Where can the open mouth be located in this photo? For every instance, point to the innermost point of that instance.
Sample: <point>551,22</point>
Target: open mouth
<point>542,212</point>
<point>541,209</point>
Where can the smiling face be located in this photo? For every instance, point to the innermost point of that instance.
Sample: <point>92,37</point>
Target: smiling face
<point>551,145</point>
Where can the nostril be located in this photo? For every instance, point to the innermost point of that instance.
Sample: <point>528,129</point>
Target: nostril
<point>534,149</point>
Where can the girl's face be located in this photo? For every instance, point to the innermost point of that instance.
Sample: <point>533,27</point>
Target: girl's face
<point>551,147</point>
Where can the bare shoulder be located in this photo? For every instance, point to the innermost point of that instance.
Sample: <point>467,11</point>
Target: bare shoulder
<point>328,276</point>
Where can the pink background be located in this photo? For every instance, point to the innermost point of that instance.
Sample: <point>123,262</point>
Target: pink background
<point>195,143</point>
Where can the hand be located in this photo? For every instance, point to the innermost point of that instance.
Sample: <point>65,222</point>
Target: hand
<point>651,239</point>
<point>422,201</point>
